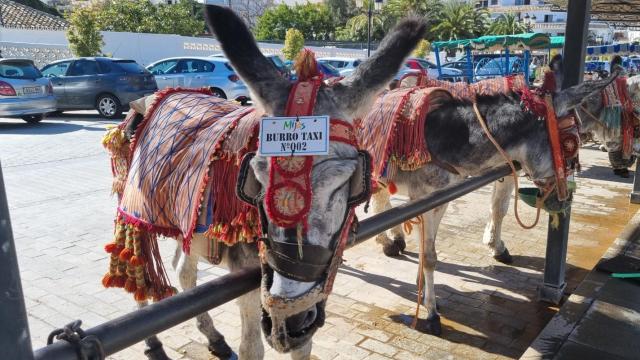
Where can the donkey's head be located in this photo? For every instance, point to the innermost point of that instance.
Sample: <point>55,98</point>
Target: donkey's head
<point>299,259</point>
<point>590,102</point>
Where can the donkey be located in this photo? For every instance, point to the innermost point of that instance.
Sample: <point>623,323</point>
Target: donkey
<point>291,307</point>
<point>590,113</point>
<point>455,138</point>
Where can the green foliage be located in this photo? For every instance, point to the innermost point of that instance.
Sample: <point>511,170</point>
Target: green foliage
<point>423,49</point>
<point>313,20</point>
<point>39,5</point>
<point>356,28</point>
<point>293,43</point>
<point>507,24</point>
<point>460,20</point>
<point>183,18</point>
<point>83,32</point>
<point>341,10</point>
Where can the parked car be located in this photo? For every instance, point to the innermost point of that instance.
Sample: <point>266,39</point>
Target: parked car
<point>345,65</point>
<point>283,67</point>
<point>105,84</point>
<point>449,74</point>
<point>328,71</point>
<point>213,72</point>
<point>497,67</point>
<point>24,92</point>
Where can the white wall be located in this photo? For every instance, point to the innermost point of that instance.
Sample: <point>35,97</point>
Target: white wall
<point>147,48</point>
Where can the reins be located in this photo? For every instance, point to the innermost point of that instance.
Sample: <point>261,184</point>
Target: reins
<point>539,202</point>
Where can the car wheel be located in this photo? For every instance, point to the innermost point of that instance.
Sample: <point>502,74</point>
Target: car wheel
<point>218,93</point>
<point>32,119</point>
<point>109,106</point>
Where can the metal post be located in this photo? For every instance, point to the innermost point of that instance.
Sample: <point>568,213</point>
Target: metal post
<point>506,66</point>
<point>469,63</point>
<point>369,28</point>
<point>526,66</point>
<point>557,239</point>
<point>635,194</point>
<point>15,340</point>
<point>438,62</point>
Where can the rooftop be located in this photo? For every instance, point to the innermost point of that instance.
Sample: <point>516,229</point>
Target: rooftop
<point>15,15</point>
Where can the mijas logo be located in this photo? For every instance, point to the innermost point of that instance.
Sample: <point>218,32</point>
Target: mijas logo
<point>293,125</point>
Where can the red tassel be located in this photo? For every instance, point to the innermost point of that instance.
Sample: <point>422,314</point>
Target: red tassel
<point>110,248</point>
<point>140,295</point>
<point>130,285</point>
<point>108,280</point>
<point>392,188</point>
<point>119,281</point>
<point>126,254</point>
<point>136,260</point>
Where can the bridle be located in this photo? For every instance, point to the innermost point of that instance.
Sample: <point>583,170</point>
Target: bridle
<point>286,204</point>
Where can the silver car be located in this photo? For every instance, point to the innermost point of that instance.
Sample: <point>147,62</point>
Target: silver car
<point>214,73</point>
<point>24,92</point>
<point>346,66</point>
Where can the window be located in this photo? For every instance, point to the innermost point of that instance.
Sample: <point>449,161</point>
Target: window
<point>130,66</point>
<point>494,2</point>
<point>194,66</point>
<point>104,67</point>
<point>165,67</point>
<point>83,68</point>
<point>548,18</point>
<point>54,70</point>
<point>19,70</point>
<point>356,63</point>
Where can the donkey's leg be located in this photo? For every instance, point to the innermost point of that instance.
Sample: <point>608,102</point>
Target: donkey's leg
<point>153,347</point>
<point>251,346</point>
<point>389,247</point>
<point>432,221</point>
<point>187,274</point>
<point>499,206</point>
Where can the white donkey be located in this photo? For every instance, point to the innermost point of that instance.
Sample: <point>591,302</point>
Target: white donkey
<point>292,300</point>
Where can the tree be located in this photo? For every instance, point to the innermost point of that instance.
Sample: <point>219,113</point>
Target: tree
<point>293,43</point>
<point>356,28</point>
<point>507,24</point>
<point>341,10</point>
<point>250,10</point>
<point>460,20</point>
<point>313,20</point>
<point>422,50</point>
<point>83,32</point>
<point>142,16</point>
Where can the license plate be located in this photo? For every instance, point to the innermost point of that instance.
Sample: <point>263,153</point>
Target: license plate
<point>290,136</point>
<point>32,90</point>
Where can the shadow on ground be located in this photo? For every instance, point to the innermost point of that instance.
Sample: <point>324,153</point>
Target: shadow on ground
<point>509,318</point>
<point>47,127</point>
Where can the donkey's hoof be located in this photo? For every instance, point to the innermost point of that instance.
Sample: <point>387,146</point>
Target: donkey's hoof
<point>156,353</point>
<point>391,249</point>
<point>433,326</point>
<point>400,243</point>
<point>504,258</point>
<point>220,349</point>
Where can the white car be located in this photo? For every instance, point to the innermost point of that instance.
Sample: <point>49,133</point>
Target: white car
<point>24,92</point>
<point>345,65</point>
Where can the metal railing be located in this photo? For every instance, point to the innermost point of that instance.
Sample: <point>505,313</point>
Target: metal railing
<point>134,327</point>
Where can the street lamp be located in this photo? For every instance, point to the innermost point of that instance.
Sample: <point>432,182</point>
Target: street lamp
<point>378,6</point>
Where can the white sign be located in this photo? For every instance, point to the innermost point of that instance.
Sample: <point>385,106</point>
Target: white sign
<point>291,136</point>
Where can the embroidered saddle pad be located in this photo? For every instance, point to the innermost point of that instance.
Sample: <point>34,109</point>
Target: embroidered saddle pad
<point>393,132</point>
<point>497,85</point>
<point>186,150</point>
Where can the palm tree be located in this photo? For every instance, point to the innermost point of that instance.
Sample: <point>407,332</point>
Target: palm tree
<point>459,20</point>
<point>507,24</point>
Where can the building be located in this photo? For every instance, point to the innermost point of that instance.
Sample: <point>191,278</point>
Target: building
<point>539,15</point>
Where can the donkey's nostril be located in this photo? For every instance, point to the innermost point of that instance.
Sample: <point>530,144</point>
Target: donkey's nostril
<point>299,322</point>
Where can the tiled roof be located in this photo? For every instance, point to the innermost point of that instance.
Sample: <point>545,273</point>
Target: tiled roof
<point>14,15</point>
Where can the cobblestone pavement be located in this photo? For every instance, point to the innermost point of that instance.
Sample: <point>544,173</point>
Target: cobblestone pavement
<point>58,183</point>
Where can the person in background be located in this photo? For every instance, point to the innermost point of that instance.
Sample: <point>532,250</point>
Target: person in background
<point>616,65</point>
<point>552,83</point>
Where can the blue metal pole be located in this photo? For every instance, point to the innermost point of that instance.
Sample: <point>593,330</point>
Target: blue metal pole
<point>438,62</point>
<point>526,66</point>
<point>469,64</point>
<point>506,56</point>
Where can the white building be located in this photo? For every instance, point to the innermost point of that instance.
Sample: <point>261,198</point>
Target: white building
<point>538,14</point>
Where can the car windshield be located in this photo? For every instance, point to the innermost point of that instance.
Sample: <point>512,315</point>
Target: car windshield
<point>19,70</point>
<point>130,67</point>
<point>277,61</point>
<point>426,64</point>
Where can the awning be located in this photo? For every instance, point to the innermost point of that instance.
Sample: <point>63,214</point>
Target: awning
<point>557,42</point>
<point>498,42</point>
<point>613,49</point>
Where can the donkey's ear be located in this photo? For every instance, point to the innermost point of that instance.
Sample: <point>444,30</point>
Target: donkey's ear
<point>569,98</point>
<point>267,86</point>
<point>372,75</point>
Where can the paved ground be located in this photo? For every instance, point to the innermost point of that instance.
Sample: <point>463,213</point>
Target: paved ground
<point>58,183</point>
